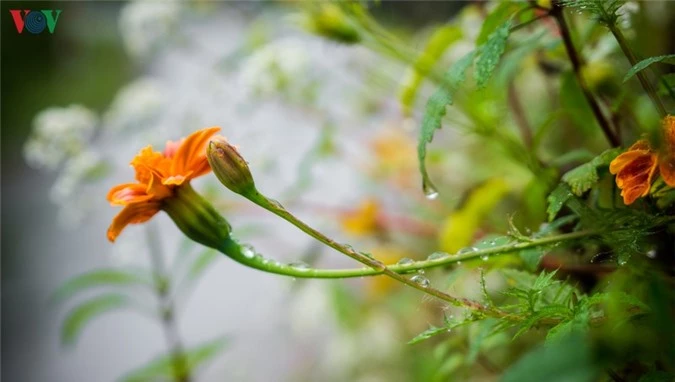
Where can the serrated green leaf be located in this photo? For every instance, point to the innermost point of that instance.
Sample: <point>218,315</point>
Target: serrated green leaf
<point>99,278</point>
<point>557,199</point>
<point>491,52</point>
<point>442,38</point>
<point>502,12</point>
<point>605,11</point>
<point>642,65</point>
<point>82,314</point>
<point>435,109</point>
<point>425,335</point>
<point>582,178</point>
<point>162,368</point>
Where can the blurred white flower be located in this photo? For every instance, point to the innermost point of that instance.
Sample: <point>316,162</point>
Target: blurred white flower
<point>135,105</point>
<point>145,25</point>
<point>280,67</point>
<point>79,170</point>
<point>59,133</point>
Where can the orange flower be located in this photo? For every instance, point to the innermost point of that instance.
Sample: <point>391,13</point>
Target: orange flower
<point>159,175</point>
<point>636,167</point>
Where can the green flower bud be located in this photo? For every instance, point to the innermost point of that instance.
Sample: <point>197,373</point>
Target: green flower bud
<point>197,218</point>
<point>330,21</point>
<point>229,166</point>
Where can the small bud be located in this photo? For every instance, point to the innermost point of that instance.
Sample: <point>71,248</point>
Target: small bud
<point>229,166</point>
<point>330,21</point>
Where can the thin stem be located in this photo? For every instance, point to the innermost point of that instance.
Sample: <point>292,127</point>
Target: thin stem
<point>376,265</point>
<point>519,115</point>
<point>167,311</point>
<point>242,255</point>
<point>248,257</point>
<point>557,13</point>
<point>649,88</point>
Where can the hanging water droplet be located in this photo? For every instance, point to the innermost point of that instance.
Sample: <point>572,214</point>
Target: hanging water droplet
<point>300,266</point>
<point>621,262</point>
<point>651,253</point>
<point>492,243</point>
<point>420,271</point>
<point>368,255</point>
<point>485,257</point>
<point>275,203</point>
<point>405,261</point>
<point>437,255</point>
<point>248,251</point>
<point>466,250</point>
<point>429,190</point>
<point>459,263</point>
<point>348,247</point>
<point>421,280</point>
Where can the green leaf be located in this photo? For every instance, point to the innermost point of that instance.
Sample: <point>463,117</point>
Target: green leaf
<point>642,65</point>
<point>442,38</point>
<point>163,368</point>
<point>502,12</point>
<point>82,314</point>
<point>605,11</point>
<point>435,109</point>
<point>567,360</point>
<point>557,199</point>
<point>582,178</point>
<point>491,52</point>
<point>99,278</point>
<point>425,335</point>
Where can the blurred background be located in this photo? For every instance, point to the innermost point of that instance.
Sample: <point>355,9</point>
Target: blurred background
<point>324,132</point>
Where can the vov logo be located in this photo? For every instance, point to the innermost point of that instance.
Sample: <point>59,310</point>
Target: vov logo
<point>35,21</point>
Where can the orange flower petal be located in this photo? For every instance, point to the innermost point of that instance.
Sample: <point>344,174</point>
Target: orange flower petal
<point>128,193</point>
<point>669,133</point>
<point>667,168</point>
<point>147,161</point>
<point>156,188</point>
<point>191,155</point>
<point>635,178</point>
<point>624,159</point>
<point>131,214</point>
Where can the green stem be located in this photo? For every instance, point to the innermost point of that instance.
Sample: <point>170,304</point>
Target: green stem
<point>557,13</point>
<point>167,310</point>
<point>245,256</point>
<point>248,257</point>
<point>628,52</point>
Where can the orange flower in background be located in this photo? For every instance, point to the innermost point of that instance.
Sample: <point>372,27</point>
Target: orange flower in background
<point>158,176</point>
<point>362,221</point>
<point>636,167</point>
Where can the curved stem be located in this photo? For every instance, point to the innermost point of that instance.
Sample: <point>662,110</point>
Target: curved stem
<point>557,13</point>
<point>245,256</point>
<point>248,257</point>
<point>649,88</point>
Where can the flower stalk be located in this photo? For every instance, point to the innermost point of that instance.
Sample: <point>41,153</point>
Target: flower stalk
<point>558,15</point>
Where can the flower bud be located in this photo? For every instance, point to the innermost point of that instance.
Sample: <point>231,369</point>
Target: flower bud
<point>330,21</point>
<point>197,218</point>
<point>229,166</point>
